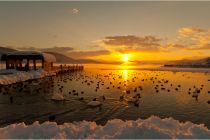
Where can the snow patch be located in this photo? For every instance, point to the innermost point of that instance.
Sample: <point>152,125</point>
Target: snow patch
<point>153,127</point>
<point>13,76</point>
<point>49,57</point>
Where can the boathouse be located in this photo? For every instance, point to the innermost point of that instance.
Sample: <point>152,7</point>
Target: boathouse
<point>26,60</point>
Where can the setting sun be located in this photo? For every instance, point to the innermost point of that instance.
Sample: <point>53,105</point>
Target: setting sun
<point>125,58</point>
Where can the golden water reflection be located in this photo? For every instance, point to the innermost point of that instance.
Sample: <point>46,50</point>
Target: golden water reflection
<point>125,75</point>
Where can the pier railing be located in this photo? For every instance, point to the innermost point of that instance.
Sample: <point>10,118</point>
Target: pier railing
<point>57,68</point>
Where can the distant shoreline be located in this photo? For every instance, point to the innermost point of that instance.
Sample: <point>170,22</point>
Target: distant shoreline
<point>179,69</point>
<point>188,66</point>
<point>164,68</point>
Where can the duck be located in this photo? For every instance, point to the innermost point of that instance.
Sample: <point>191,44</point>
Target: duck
<point>132,100</point>
<point>52,118</point>
<point>94,103</point>
<point>122,97</point>
<point>195,94</point>
<point>128,91</point>
<point>81,98</point>
<point>136,104</point>
<point>11,99</point>
<point>103,97</point>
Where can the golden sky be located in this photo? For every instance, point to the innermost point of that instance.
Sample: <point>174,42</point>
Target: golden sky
<point>109,32</point>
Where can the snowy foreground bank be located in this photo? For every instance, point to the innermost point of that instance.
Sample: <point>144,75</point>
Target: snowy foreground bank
<point>13,76</point>
<point>153,127</point>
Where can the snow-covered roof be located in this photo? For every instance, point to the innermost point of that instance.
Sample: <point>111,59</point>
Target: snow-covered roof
<point>30,55</point>
<point>49,57</point>
<point>24,53</point>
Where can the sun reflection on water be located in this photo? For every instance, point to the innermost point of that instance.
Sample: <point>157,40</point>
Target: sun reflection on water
<point>125,74</point>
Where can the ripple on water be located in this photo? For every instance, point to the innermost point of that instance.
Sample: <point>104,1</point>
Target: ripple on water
<point>178,104</point>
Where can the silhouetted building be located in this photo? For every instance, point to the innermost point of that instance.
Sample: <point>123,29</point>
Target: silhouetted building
<point>21,60</point>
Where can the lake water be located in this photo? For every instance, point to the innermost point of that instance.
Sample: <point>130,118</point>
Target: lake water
<point>32,100</point>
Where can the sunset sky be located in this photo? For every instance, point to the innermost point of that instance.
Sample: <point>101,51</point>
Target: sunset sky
<point>129,32</point>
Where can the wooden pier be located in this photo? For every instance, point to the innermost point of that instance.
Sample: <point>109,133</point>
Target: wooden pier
<point>63,68</point>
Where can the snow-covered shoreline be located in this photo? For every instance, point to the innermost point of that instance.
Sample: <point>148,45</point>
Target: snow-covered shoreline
<point>13,76</point>
<point>178,69</point>
<point>153,127</point>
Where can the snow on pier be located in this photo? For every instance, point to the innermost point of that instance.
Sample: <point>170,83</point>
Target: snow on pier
<point>11,76</point>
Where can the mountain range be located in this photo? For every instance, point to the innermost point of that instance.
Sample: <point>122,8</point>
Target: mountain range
<point>204,62</point>
<point>61,58</point>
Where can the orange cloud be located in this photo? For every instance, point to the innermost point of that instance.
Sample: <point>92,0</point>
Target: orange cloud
<point>194,38</point>
<point>132,43</point>
<point>75,11</point>
<point>190,30</point>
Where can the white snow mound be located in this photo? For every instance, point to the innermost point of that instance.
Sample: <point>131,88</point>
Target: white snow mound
<point>15,76</point>
<point>153,127</point>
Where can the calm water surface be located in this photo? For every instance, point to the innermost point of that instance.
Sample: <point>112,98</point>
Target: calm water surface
<point>32,100</point>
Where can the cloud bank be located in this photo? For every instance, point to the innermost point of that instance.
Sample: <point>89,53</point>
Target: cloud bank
<point>50,49</point>
<point>132,43</point>
<point>188,38</point>
<point>194,38</point>
<point>185,31</point>
<point>153,127</point>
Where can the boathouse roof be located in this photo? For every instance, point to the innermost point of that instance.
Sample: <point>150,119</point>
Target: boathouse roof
<point>29,55</point>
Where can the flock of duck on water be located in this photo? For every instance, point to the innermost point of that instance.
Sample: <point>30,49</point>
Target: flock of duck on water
<point>116,81</point>
<point>101,81</point>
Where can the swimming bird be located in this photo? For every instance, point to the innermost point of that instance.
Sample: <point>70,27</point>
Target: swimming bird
<point>81,98</point>
<point>11,99</point>
<point>103,97</point>
<point>128,91</point>
<point>52,118</point>
<point>121,97</point>
<point>58,97</point>
<point>94,103</point>
<point>136,104</point>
